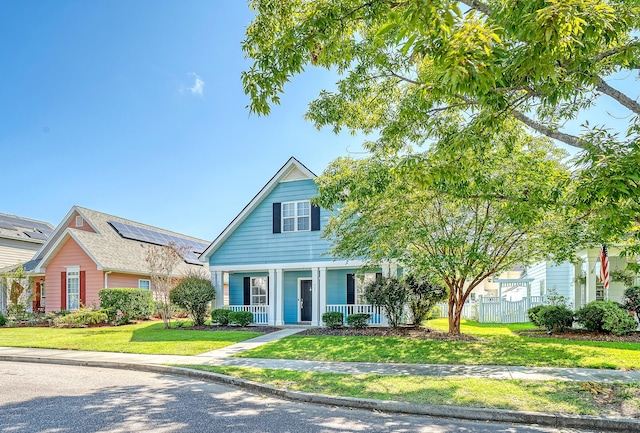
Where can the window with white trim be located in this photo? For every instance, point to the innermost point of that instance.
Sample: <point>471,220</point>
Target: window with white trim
<point>73,288</point>
<point>144,284</point>
<point>79,221</point>
<point>361,283</point>
<point>296,216</point>
<point>259,290</point>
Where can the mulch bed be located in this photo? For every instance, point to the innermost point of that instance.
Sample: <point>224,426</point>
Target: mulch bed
<point>263,329</point>
<point>580,334</point>
<point>402,331</point>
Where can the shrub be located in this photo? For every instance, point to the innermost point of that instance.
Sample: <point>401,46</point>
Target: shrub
<point>619,322</point>
<point>3,320</point>
<point>592,315</point>
<point>423,297</point>
<point>124,305</point>
<point>391,294</point>
<point>82,318</point>
<point>194,293</point>
<point>333,319</point>
<point>555,318</point>
<point>17,312</point>
<point>358,321</point>
<point>220,316</point>
<point>533,314</point>
<point>631,300</point>
<point>241,318</point>
<point>174,310</point>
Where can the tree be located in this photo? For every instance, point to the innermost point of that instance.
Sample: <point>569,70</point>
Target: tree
<point>16,286</point>
<point>457,215</point>
<point>194,293</point>
<point>162,261</point>
<point>389,293</point>
<point>445,71</point>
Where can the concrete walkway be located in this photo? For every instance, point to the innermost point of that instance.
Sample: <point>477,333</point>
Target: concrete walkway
<point>223,357</point>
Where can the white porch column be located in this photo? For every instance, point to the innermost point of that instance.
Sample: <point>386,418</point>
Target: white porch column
<point>279,307</point>
<point>323,292</point>
<point>386,270</point>
<point>393,269</point>
<point>592,276</point>
<point>218,282</point>
<point>272,297</point>
<point>315,296</point>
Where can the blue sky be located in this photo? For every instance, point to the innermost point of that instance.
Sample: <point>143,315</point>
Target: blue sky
<point>135,108</point>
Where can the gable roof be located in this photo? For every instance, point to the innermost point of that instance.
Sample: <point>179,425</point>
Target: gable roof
<point>104,245</point>
<point>24,229</point>
<point>292,170</point>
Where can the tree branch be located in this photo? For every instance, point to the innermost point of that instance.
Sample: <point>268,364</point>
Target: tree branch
<point>569,139</point>
<point>478,5</point>
<point>623,99</point>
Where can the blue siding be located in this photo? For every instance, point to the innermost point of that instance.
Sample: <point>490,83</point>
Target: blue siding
<point>254,243</point>
<point>337,285</point>
<point>291,293</point>
<point>236,286</point>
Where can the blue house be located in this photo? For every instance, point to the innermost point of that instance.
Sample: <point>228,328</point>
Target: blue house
<point>277,263</point>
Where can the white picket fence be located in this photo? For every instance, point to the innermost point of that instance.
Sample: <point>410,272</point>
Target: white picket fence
<point>491,309</point>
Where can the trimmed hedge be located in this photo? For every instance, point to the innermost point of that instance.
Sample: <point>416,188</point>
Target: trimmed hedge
<point>125,304</point>
<point>592,315</point>
<point>333,319</point>
<point>358,321</point>
<point>82,318</point>
<point>555,318</point>
<point>241,318</point>
<point>220,316</point>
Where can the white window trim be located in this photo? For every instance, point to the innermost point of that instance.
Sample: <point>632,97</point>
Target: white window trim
<point>266,287</point>
<point>72,269</point>
<point>296,217</point>
<point>140,280</point>
<point>79,221</point>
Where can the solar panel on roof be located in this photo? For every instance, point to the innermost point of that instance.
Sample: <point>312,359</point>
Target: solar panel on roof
<point>129,231</point>
<point>6,225</point>
<point>24,223</point>
<point>36,235</point>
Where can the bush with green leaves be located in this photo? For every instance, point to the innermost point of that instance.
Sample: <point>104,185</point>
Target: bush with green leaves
<point>423,297</point>
<point>592,315</point>
<point>619,322</point>
<point>533,315</point>
<point>358,320</point>
<point>241,318</point>
<point>125,304</point>
<point>391,294</point>
<point>82,318</point>
<point>555,318</point>
<point>194,293</point>
<point>631,300</point>
<point>220,316</point>
<point>3,320</point>
<point>333,319</point>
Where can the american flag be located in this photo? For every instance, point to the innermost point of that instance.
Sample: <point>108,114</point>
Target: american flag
<point>604,268</point>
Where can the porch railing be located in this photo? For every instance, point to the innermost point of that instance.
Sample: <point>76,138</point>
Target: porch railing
<point>260,312</point>
<point>377,317</point>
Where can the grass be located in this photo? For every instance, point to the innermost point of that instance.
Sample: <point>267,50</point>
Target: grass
<point>144,337</point>
<point>497,345</point>
<point>543,396</point>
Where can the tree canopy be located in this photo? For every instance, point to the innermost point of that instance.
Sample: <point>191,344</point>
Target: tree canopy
<point>498,210</point>
<point>449,73</point>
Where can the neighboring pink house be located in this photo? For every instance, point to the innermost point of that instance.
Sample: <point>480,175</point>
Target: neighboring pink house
<point>91,250</point>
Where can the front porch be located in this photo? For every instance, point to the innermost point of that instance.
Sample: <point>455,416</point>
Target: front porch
<point>261,313</point>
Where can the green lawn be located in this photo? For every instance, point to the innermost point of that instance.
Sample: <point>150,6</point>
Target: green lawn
<point>144,337</point>
<point>497,345</point>
<point>543,396</point>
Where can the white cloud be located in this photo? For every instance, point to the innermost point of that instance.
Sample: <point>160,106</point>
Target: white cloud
<point>198,85</point>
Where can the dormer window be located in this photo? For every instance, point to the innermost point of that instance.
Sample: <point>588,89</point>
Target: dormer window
<point>79,221</point>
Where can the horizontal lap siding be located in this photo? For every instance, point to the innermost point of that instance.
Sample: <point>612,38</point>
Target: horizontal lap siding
<point>253,242</point>
<point>13,252</point>
<point>71,255</point>
<point>124,280</point>
<point>337,285</point>
<point>236,286</point>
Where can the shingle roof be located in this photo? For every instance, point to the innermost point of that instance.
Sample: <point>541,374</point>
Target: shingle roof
<point>107,248</point>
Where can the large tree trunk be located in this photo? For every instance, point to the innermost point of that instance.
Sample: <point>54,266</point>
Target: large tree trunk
<point>454,311</point>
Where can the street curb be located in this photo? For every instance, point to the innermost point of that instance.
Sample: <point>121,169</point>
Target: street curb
<point>474,414</point>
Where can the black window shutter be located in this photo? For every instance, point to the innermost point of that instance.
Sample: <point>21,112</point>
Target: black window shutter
<point>277,215</point>
<point>315,217</point>
<point>247,290</point>
<point>378,276</point>
<point>351,289</point>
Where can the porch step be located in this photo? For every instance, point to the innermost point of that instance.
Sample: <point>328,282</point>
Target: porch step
<point>253,343</point>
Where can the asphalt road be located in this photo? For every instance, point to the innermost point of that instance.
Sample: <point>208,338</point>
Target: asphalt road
<point>55,398</point>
